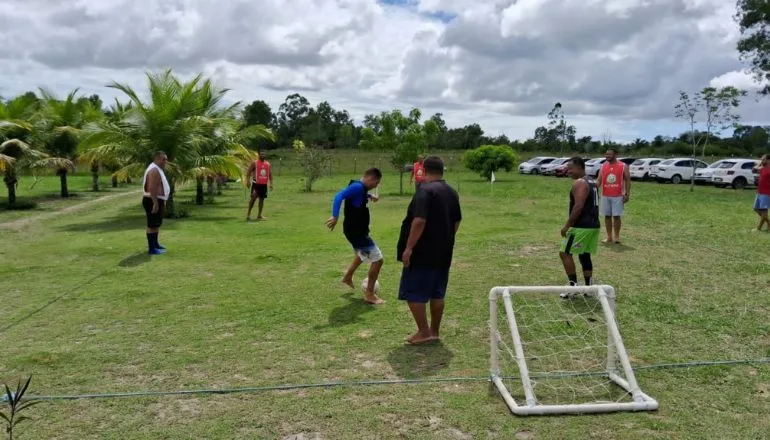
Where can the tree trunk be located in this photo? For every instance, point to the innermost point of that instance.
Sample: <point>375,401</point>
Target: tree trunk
<point>95,176</point>
<point>210,186</point>
<point>199,191</point>
<point>170,203</point>
<point>221,183</point>
<point>114,181</point>
<point>63,179</point>
<point>401,181</point>
<point>10,182</point>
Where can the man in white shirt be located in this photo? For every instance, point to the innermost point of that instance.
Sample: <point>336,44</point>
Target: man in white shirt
<point>155,194</point>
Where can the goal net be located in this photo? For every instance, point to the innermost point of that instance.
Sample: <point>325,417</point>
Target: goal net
<point>553,355</point>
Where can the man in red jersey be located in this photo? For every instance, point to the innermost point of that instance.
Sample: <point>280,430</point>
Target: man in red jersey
<point>259,175</point>
<point>615,184</point>
<point>418,172</point>
<point>762,201</point>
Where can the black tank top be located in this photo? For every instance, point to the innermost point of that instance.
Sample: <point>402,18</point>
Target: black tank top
<point>356,222</point>
<point>589,217</point>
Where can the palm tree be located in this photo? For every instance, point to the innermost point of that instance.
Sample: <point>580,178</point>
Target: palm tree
<point>58,126</point>
<point>183,119</point>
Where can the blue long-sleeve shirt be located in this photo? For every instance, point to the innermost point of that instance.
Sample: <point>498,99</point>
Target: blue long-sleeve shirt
<point>355,192</point>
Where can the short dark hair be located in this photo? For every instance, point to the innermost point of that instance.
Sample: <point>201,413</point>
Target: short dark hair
<point>158,154</point>
<point>578,162</point>
<point>612,149</point>
<point>373,172</point>
<point>434,165</point>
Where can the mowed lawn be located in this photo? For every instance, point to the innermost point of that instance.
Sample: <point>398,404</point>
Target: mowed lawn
<point>236,304</point>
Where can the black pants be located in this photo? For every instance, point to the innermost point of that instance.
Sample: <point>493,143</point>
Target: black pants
<point>154,221</point>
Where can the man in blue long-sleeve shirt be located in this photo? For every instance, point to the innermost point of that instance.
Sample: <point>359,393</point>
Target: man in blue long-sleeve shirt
<point>356,229</point>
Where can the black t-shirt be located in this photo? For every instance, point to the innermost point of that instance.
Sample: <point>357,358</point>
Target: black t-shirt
<point>589,216</point>
<point>439,205</point>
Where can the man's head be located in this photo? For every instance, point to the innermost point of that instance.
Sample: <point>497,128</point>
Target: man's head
<point>611,155</point>
<point>764,161</point>
<point>260,156</point>
<point>372,178</point>
<point>160,159</point>
<point>576,167</point>
<point>420,158</point>
<point>434,168</point>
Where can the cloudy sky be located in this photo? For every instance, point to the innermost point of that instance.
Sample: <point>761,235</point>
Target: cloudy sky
<point>615,65</point>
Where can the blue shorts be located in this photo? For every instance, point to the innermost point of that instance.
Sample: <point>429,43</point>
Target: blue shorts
<point>365,248</point>
<point>422,285</point>
<point>762,202</point>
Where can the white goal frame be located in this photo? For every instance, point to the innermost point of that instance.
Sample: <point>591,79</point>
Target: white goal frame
<point>616,351</point>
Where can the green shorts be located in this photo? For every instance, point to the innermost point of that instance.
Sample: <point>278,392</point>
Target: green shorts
<point>580,241</point>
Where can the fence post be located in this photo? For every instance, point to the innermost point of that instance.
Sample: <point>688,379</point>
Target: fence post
<point>355,165</point>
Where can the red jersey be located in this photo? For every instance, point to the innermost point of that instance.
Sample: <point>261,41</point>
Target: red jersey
<point>418,172</point>
<point>612,179</point>
<point>763,186</point>
<point>261,171</point>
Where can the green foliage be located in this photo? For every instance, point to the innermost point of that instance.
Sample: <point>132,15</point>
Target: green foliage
<point>490,158</point>
<point>16,404</point>
<point>313,161</point>
<point>753,17</point>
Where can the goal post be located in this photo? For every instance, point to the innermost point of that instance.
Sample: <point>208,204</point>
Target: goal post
<point>573,341</point>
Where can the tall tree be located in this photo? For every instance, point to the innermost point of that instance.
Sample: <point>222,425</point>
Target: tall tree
<point>291,117</point>
<point>717,108</point>
<point>753,17</point>
<point>403,135</point>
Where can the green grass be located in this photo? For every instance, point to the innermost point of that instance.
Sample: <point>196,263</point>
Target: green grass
<point>43,195</point>
<point>237,304</point>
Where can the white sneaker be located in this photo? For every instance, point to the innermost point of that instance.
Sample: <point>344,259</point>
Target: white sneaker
<point>568,295</point>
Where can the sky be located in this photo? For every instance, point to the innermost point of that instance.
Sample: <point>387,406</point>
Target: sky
<point>616,66</point>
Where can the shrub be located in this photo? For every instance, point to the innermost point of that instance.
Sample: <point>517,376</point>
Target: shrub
<point>490,158</point>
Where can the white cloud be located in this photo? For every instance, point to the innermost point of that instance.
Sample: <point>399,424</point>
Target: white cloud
<point>616,65</point>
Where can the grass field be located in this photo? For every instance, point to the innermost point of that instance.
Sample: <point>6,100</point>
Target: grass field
<point>236,304</point>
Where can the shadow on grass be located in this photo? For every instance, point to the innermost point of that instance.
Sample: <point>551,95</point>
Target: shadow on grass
<point>350,313</point>
<point>135,260</point>
<point>134,222</point>
<point>619,248</point>
<point>414,361</point>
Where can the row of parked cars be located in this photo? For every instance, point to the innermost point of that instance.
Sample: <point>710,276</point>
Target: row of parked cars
<point>734,172</point>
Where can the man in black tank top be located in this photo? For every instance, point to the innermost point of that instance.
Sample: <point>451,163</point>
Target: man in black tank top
<point>581,231</point>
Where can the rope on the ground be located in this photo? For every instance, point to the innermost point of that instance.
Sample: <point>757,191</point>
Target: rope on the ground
<point>290,387</point>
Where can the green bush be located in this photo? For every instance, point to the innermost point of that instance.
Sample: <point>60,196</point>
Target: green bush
<point>490,158</point>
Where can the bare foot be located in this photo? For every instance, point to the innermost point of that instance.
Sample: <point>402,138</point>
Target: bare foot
<point>419,338</point>
<point>261,217</point>
<point>348,282</point>
<point>373,299</point>
<point>606,241</point>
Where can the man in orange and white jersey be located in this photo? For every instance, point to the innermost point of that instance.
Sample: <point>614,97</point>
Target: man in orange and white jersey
<point>418,172</point>
<point>259,175</point>
<point>615,184</point>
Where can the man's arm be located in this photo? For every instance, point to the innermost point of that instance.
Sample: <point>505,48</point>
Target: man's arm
<point>154,183</point>
<point>252,169</point>
<point>580,192</point>
<point>627,182</point>
<point>417,227</point>
<point>270,175</point>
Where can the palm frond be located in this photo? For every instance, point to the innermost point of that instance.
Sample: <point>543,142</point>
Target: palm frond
<point>56,163</point>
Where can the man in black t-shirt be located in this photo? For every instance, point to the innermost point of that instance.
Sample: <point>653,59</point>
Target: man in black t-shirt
<point>425,247</point>
<point>581,231</point>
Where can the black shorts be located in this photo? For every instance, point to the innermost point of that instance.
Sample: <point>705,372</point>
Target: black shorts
<point>154,221</point>
<point>258,190</point>
<point>421,285</point>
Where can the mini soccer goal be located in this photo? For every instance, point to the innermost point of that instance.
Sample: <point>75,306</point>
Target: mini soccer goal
<point>561,355</point>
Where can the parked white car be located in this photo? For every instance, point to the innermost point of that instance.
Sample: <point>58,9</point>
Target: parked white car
<point>737,173</point>
<point>593,166</point>
<point>703,176</point>
<point>676,170</point>
<point>532,166</point>
<point>549,169</point>
<point>640,168</point>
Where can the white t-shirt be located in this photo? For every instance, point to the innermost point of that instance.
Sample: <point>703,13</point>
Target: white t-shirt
<point>166,186</point>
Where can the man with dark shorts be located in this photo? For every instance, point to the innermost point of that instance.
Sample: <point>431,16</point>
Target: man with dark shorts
<point>582,229</point>
<point>356,230</point>
<point>262,176</point>
<point>425,247</point>
<point>155,193</point>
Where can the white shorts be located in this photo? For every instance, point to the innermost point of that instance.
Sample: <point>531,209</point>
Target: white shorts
<point>370,255</point>
<point>612,207</point>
